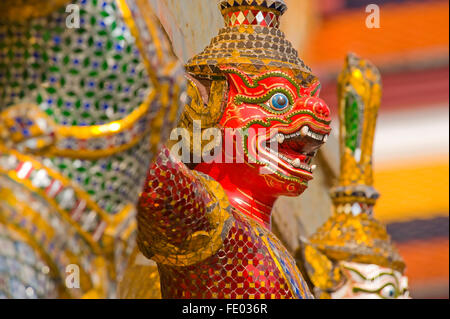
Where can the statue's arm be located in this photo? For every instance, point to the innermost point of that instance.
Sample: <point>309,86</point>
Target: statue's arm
<point>179,213</point>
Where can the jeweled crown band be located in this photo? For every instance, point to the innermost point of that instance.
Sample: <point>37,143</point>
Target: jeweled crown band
<point>276,5</point>
<point>252,17</point>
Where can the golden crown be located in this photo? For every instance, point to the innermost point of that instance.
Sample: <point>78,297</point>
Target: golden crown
<point>251,41</point>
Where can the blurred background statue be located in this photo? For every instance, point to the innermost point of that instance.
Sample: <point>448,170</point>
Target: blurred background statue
<point>411,153</point>
<point>351,254</point>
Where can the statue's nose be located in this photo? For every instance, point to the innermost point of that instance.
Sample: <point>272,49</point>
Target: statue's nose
<point>317,106</point>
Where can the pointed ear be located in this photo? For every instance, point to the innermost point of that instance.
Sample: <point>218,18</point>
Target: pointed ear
<point>323,273</point>
<point>237,79</point>
<point>198,90</point>
<point>207,99</point>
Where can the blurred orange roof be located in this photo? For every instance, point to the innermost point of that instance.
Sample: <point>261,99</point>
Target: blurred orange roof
<point>411,33</point>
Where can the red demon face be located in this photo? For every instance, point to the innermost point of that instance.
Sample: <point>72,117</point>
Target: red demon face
<point>283,125</point>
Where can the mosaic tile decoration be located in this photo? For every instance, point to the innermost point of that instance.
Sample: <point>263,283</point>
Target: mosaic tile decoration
<point>23,275</point>
<point>81,112</point>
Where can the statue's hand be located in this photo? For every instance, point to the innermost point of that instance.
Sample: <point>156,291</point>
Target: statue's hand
<point>172,208</point>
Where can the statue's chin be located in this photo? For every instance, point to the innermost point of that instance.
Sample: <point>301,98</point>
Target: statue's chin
<point>284,187</point>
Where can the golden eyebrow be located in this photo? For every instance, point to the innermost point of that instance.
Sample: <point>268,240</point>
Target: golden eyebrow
<point>377,291</point>
<point>254,82</point>
<point>240,98</point>
<point>373,278</point>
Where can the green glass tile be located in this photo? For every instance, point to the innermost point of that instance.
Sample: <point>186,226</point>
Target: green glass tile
<point>351,121</point>
<point>51,90</point>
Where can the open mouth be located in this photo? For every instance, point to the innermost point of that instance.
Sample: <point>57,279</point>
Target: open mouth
<point>292,150</point>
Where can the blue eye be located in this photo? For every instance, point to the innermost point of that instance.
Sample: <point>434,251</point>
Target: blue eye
<point>279,101</point>
<point>389,291</point>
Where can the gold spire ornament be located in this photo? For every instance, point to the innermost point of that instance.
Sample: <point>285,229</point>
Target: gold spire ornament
<point>352,243</point>
<point>359,94</point>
